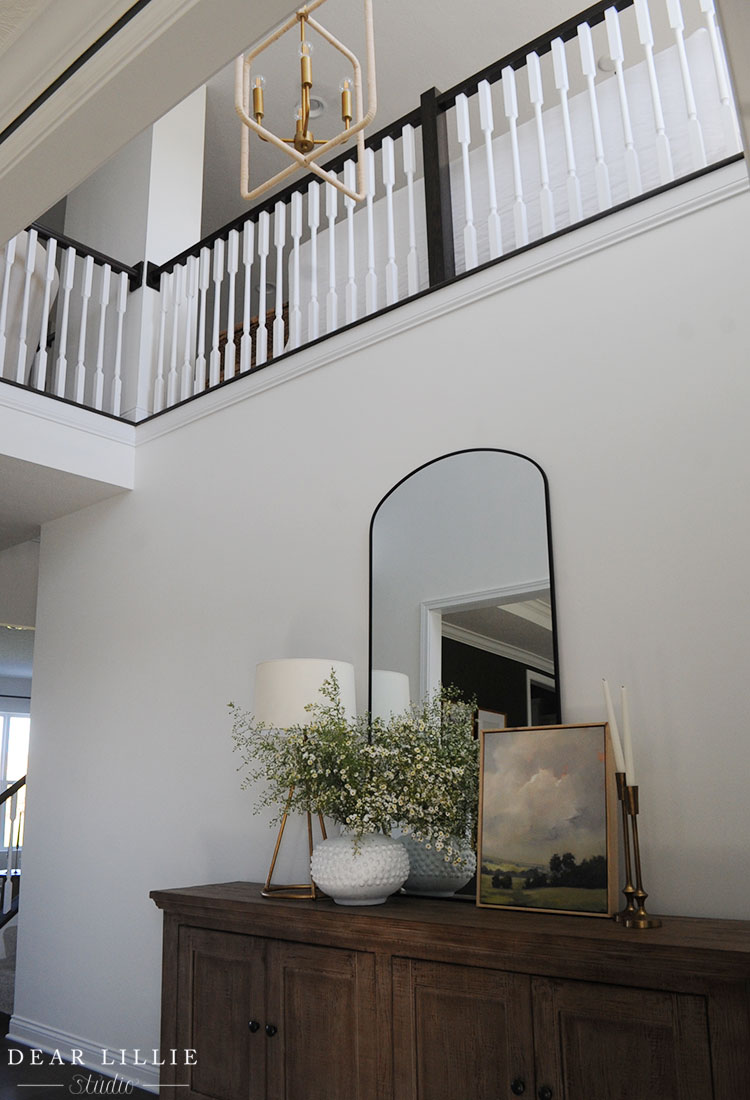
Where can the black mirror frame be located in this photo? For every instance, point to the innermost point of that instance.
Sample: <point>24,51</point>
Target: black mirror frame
<point>553,604</point>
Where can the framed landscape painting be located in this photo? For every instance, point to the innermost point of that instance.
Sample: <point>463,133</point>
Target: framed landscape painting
<point>547,823</point>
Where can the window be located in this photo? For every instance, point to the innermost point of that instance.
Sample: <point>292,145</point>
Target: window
<point>14,757</point>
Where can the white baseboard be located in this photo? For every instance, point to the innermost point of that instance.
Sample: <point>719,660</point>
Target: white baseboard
<point>97,1059</point>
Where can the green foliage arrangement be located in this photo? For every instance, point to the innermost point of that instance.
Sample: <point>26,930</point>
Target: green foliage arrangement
<point>418,771</point>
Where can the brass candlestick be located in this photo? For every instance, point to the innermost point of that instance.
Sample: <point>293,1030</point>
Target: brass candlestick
<point>629,910</point>
<point>640,918</point>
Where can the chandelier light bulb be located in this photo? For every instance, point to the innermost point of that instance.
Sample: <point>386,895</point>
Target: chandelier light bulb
<point>345,87</point>
<point>259,83</point>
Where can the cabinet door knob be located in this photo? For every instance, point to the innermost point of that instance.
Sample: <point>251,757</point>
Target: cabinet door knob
<point>271,1031</point>
<point>518,1086</point>
<point>545,1093</point>
<point>254,1026</point>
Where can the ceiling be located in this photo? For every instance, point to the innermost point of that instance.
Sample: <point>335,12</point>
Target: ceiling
<point>525,626</point>
<point>32,495</point>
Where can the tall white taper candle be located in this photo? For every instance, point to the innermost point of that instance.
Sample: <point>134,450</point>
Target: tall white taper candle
<point>613,730</point>
<point>627,738</point>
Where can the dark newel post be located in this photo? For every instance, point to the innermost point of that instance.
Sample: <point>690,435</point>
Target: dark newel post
<point>437,190</point>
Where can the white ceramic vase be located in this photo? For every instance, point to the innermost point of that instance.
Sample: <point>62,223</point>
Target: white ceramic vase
<point>365,874</point>
<point>430,873</point>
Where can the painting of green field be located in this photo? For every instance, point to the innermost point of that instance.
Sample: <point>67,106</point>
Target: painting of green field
<point>573,899</point>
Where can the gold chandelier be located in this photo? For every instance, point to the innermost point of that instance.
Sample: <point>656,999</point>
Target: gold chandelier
<point>304,148</point>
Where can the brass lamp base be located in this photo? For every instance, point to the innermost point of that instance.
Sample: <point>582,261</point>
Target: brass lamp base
<point>299,891</point>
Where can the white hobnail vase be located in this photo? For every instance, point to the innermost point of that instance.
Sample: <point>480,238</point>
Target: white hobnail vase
<point>432,873</point>
<point>359,873</point>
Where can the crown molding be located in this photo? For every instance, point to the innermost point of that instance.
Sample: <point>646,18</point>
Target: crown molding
<point>500,649</point>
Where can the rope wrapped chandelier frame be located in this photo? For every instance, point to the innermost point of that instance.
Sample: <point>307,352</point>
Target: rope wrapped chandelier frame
<point>304,149</point>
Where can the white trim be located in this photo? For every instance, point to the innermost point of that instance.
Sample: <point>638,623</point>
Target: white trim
<point>49,1039</point>
<point>500,649</point>
<point>708,190</point>
<point>431,624</point>
<point>70,416</point>
<point>533,677</point>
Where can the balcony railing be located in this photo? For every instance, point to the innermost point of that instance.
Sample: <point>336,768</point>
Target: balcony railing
<point>542,141</point>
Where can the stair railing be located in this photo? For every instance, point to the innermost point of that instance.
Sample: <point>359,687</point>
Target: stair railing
<point>12,817</point>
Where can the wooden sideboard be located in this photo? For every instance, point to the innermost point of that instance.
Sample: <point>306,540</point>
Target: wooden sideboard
<point>438,1000</point>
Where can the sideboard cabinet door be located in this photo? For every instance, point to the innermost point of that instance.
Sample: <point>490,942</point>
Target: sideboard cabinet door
<point>322,1001</point>
<point>220,999</point>
<point>615,1043</point>
<point>460,1031</point>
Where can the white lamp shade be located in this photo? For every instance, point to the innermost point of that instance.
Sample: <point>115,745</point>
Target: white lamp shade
<point>284,687</point>
<point>390,693</point>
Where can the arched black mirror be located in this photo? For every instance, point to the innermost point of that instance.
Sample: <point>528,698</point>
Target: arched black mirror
<point>462,590</point>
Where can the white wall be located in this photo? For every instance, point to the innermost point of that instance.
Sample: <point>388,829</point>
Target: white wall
<point>19,575</point>
<point>624,375</point>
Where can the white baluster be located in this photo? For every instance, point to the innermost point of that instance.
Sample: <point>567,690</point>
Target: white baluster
<point>9,256</point>
<point>233,263</point>
<point>695,133</point>
<point>80,372</point>
<point>214,358</point>
<point>49,276</point>
<point>732,138</point>
<point>332,299</point>
<point>279,240</point>
<point>28,272</point>
<point>68,276</point>
<point>103,304</point>
<point>313,221</point>
<point>471,258</point>
<point>646,38</point>
<point>536,95</point>
<point>562,84</point>
<point>389,179</point>
<point>178,289</point>
<point>351,282</point>
<point>165,287</point>
<point>246,342</point>
<point>204,279</point>
<point>12,804</point>
<point>295,313</point>
<point>261,337</point>
<point>122,302</point>
<point>487,125</point>
<point>410,167</point>
<point>510,104</point>
<point>191,288</point>
<point>617,53</point>
<point>371,279</point>
<point>588,65</point>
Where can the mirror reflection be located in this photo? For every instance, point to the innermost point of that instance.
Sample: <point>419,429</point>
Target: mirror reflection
<point>461,588</point>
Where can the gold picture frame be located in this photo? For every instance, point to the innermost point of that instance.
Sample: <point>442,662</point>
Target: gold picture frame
<point>547,836</point>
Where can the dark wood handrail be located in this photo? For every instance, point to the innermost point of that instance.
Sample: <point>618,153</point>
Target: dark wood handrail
<point>134,272</point>
<point>14,789</point>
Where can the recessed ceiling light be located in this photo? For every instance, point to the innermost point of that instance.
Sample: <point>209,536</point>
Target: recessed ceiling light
<point>606,64</point>
<point>317,107</point>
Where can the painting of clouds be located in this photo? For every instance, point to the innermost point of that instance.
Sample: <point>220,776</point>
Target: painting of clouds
<point>543,841</point>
